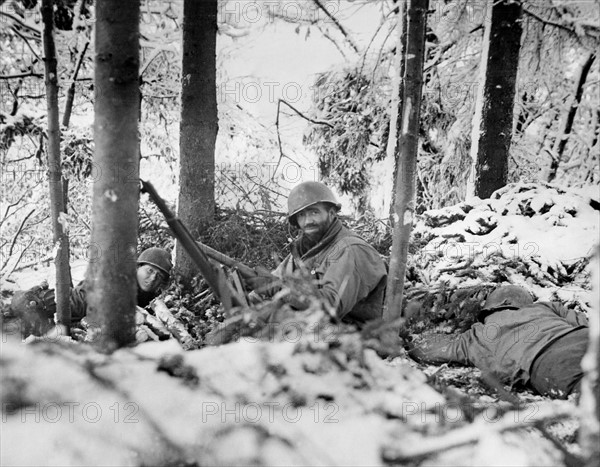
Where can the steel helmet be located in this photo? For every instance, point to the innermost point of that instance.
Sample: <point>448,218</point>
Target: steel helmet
<point>158,258</point>
<point>306,194</point>
<point>508,296</point>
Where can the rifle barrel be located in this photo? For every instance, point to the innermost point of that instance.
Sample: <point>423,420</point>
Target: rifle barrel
<point>186,239</point>
<point>222,258</point>
<point>197,251</point>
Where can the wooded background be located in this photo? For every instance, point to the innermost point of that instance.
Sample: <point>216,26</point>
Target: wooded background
<point>416,105</point>
<point>502,94</point>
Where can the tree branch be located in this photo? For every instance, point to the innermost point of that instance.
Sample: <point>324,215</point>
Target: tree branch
<point>316,122</point>
<point>328,37</point>
<point>36,32</point>
<point>281,153</point>
<point>71,91</point>
<point>14,239</point>
<point>338,25</point>
<point>572,30</point>
<point>24,39</point>
<point>22,75</point>
<point>383,21</point>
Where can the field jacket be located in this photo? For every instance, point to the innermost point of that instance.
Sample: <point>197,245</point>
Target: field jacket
<point>507,343</point>
<point>349,273</point>
<point>78,301</point>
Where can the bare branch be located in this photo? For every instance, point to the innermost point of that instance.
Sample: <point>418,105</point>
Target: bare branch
<point>7,274</point>
<point>24,39</point>
<point>22,75</point>
<point>383,21</point>
<point>281,153</point>
<point>338,25</point>
<point>475,431</point>
<point>332,40</point>
<point>15,237</point>
<point>36,32</point>
<point>316,122</point>
<point>575,27</point>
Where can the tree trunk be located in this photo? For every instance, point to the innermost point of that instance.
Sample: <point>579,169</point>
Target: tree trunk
<point>57,201</point>
<point>71,91</point>
<point>589,404</point>
<point>493,120</point>
<point>404,205</point>
<point>68,109</point>
<point>566,124</point>
<point>392,148</point>
<point>112,292</point>
<point>199,124</point>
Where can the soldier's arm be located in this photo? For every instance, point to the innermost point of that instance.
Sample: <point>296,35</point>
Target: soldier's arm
<point>573,317</point>
<point>350,277</point>
<point>443,348</point>
<point>78,303</point>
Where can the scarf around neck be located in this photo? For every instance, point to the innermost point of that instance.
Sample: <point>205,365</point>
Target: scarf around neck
<point>303,247</point>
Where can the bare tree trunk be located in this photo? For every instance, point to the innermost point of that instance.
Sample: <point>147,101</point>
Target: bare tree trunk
<point>68,109</point>
<point>71,91</point>
<point>57,201</point>
<point>566,124</point>
<point>404,205</point>
<point>199,124</point>
<point>589,404</point>
<point>493,120</point>
<point>112,293</point>
<point>392,149</point>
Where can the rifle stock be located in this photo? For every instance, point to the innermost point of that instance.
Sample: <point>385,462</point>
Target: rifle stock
<point>197,251</point>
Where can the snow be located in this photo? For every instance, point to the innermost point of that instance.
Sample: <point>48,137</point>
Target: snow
<point>310,405</point>
<point>543,228</point>
<point>310,401</point>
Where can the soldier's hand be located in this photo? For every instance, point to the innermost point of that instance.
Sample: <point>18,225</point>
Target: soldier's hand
<point>38,299</point>
<point>263,283</point>
<point>35,307</point>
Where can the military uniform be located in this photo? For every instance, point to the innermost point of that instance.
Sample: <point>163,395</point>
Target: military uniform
<point>349,272</point>
<point>36,307</point>
<point>513,343</point>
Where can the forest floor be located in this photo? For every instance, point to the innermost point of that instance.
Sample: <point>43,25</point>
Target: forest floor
<point>313,392</point>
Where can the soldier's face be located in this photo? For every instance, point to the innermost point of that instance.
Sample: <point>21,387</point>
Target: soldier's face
<point>315,220</point>
<point>149,278</point>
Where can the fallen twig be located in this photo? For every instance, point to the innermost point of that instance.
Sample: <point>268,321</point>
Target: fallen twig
<point>529,415</point>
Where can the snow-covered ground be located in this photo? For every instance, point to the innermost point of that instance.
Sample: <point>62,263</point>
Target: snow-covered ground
<point>535,235</point>
<point>308,397</point>
<point>294,402</point>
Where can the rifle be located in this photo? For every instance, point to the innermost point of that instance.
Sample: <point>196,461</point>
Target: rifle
<point>200,252</point>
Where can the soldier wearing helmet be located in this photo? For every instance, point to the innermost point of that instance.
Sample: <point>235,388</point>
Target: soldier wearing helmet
<point>38,304</point>
<point>153,271</point>
<point>349,273</point>
<point>539,344</point>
